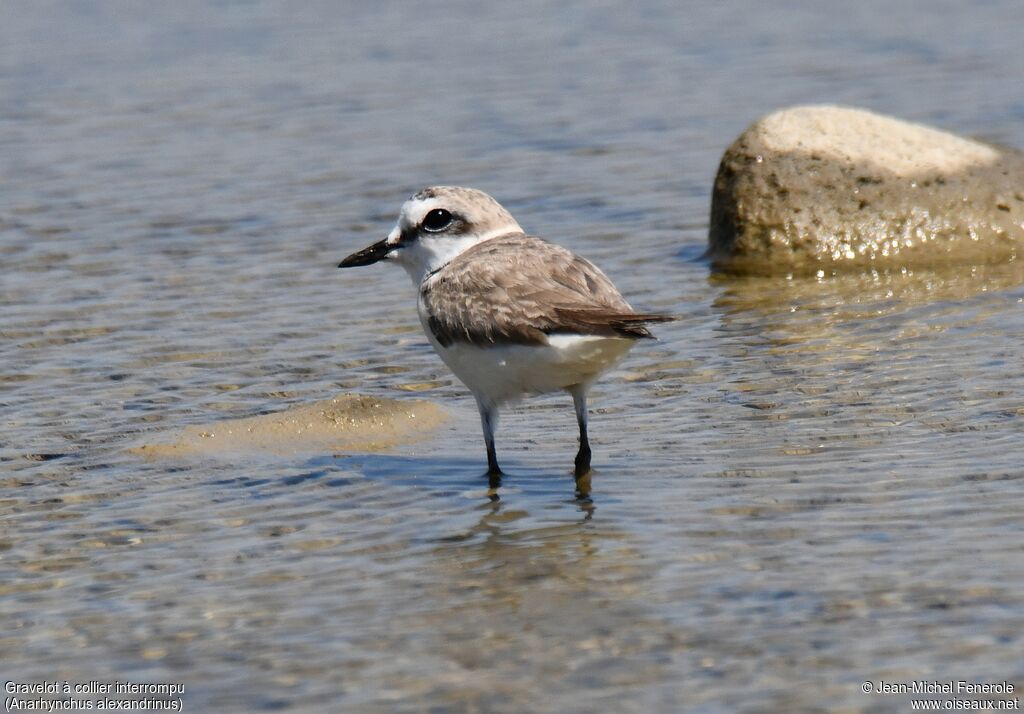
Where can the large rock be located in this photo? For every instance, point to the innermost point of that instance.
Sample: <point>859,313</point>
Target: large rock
<point>349,422</point>
<point>821,188</point>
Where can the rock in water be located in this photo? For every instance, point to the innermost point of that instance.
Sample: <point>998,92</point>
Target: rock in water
<point>822,188</point>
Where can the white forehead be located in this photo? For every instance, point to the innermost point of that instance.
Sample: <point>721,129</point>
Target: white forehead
<point>415,209</point>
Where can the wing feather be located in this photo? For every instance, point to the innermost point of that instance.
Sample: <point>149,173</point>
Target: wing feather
<point>520,289</point>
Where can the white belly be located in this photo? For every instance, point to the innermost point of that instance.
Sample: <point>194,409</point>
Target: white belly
<point>504,373</point>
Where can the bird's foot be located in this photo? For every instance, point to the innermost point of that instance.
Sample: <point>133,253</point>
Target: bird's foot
<point>582,464</point>
<point>583,486</point>
<point>493,477</point>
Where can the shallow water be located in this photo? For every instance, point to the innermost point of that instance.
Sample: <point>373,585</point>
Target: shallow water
<point>803,485</point>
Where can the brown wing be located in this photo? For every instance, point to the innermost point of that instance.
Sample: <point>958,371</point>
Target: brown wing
<point>520,289</point>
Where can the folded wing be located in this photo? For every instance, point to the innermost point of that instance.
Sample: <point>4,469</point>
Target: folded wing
<point>520,289</point>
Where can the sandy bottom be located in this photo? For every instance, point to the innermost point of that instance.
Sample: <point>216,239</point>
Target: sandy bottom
<point>348,422</point>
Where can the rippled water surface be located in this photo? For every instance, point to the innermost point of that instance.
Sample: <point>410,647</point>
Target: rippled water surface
<point>802,485</point>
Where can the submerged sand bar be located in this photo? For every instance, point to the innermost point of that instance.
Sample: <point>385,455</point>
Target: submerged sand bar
<point>348,422</point>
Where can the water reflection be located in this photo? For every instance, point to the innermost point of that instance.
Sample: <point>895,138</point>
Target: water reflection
<point>845,297</point>
<point>582,497</point>
<point>507,594</point>
<point>800,480</point>
<point>442,475</point>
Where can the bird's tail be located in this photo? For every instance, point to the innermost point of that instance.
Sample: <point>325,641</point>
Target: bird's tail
<point>613,323</point>
<point>634,325</point>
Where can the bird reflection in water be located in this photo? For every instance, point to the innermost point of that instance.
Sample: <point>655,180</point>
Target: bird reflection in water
<point>582,492</point>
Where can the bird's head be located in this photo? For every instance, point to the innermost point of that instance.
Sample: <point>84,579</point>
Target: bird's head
<point>435,226</point>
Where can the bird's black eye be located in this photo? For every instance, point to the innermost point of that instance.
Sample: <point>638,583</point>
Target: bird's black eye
<point>437,220</point>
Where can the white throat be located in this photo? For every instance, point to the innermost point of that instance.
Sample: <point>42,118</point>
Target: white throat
<point>424,256</point>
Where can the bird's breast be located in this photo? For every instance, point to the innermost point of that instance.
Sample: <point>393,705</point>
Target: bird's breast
<point>504,372</point>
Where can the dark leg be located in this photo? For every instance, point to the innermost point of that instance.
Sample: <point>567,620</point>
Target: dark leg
<point>489,421</point>
<point>579,399</point>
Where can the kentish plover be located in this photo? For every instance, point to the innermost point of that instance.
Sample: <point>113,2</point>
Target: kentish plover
<point>510,314</point>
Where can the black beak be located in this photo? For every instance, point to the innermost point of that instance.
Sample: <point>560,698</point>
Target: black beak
<point>368,255</point>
